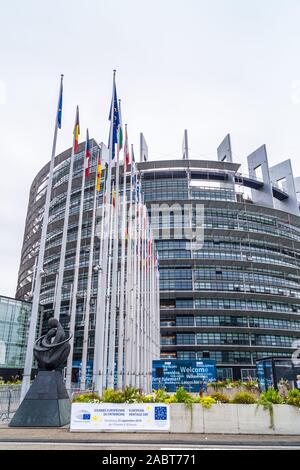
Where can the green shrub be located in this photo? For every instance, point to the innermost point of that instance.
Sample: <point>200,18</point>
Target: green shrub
<point>220,397</point>
<point>182,396</point>
<point>148,398</point>
<point>113,396</point>
<point>271,396</point>
<point>206,402</point>
<point>160,396</point>
<point>237,383</point>
<point>267,400</point>
<point>251,385</point>
<point>243,398</point>
<point>132,395</point>
<point>217,385</point>
<point>87,398</point>
<point>293,397</point>
<point>171,399</point>
<point>295,401</point>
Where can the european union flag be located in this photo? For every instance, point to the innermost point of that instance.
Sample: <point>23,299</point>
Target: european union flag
<point>59,110</point>
<point>160,413</point>
<point>114,117</point>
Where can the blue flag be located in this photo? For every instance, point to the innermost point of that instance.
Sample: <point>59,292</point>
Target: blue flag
<point>114,117</point>
<point>59,110</point>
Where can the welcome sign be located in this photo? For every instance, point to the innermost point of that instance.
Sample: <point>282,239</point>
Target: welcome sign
<point>120,417</point>
<point>173,373</point>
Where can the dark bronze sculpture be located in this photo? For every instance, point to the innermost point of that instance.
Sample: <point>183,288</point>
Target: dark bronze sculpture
<point>47,402</point>
<point>52,349</point>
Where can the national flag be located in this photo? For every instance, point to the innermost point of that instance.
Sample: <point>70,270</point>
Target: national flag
<point>60,103</point>
<point>126,150</point>
<point>113,197</point>
<point>87,154</point>
<point>76,131</point>
<point>99,174</point>
<point>105,176</point>
<point>114,118</point>
<point>105,182</point>
<point>120,130</point>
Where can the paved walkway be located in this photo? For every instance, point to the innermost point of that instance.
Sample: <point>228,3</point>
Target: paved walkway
<point>61,438</point>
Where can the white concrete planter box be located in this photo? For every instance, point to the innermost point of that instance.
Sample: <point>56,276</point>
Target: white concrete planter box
<point>234,419</point>
<point>228,419</point>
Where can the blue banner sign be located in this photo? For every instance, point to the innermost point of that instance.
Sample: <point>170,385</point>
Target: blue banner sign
<point>77,375</point>
<point>192,375</point>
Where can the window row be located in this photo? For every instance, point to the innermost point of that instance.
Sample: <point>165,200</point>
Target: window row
<point>228,338</point>
<point>251,322</point>
<point>226,357</point>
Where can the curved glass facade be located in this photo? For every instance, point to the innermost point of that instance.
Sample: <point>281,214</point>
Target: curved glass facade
<point>235,298</point>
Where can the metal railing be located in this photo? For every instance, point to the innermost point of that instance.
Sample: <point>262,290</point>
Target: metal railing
<point>9,402</point>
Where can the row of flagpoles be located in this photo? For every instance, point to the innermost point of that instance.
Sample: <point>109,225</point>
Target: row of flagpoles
<point>127,273</point>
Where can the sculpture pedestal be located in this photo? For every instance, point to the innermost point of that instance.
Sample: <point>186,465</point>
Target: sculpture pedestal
<point>46,404</point>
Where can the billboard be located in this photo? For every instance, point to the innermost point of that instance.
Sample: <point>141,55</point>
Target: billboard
<point>120,417</point>
<point>173,373</point>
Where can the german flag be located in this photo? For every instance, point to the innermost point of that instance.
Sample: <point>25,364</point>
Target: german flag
<point>76,131</point>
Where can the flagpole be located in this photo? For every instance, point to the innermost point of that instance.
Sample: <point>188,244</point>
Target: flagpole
<point>98,365</point>
<point>133,306</point>
<point>143,301</point>
<point>157,309</point>
<point>152,316</point>
<point>147,317</point>
<point>113,300</point>
<point>147,334</point>
<point>138,299</point>
<point>88,293</point>
<point>41,255</point>
<point>76,275</point>
<point>124,268</point>
<point>115,265</point>
<point>129,287</point>
<point>145,331</point>
<point>65,231</point>
<point>108,296</point>
<point>103,209</point>
<point>101,324</point>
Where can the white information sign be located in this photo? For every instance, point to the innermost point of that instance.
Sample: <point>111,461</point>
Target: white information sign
<point>120,417</point>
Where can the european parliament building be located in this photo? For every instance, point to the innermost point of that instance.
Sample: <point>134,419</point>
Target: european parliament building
<point>234,298</point>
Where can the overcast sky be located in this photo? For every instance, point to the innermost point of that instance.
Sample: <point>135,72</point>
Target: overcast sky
<point>211,66</point>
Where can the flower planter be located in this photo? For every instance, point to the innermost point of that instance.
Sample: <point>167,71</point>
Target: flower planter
<point>234,419</point>
<point>223,419</point>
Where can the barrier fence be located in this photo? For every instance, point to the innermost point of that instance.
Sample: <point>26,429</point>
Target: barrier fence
<point>9,402</point>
